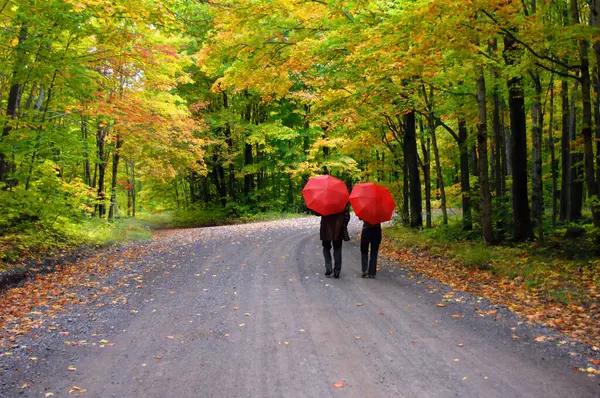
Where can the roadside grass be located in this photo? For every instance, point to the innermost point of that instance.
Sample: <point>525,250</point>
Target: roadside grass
<point>35,241</point>
<point>66,236</point>
<point>562,270</point>
<point>556,284</point>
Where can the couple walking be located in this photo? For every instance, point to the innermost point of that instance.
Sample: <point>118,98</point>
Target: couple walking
<point>334,230</point>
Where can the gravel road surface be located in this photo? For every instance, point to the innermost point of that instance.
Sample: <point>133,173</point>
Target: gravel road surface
<point>245,311</point>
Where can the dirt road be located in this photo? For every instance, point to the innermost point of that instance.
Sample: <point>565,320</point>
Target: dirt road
<point>245,311</point>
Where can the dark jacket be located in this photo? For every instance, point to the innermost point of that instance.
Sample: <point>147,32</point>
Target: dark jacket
<point>366,225</point>
<point>335,226</point>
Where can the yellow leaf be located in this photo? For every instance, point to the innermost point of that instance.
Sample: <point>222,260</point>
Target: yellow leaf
<point>72,368</point>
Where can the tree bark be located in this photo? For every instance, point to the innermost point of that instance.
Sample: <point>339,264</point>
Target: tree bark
<point>410,156</point>
<point>553,163</point>
<point>565,190</point>
<point>576,171</point>
<point>516,103</point>
<point>101,133</point>
<point>113,212</point>
<point>537,194</point>
<point>439,174</point>
<point>12,107</point>
<point>405,195</point>
<point>594,178</point>
<point>426,166</point>
<point>465,184</point>
<point>484,186</point>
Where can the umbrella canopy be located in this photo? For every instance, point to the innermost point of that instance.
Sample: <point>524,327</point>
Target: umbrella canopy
<point>325,194</point>
<point>372,203</point>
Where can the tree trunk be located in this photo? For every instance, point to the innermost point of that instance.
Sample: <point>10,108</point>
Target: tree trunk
<point>438,171</point>
<point>229,141</point>
<point>516,103</point>
<point>576,178</point>
<point>100,146</point>
<point>593,175</point>
<point>12,107</point>
<point>565,187</point>
<point>405,195</point>
<point>86,163</point>
<point>474,162</point>
<point>129,199</point>
<point>426,166</point>
<point>218,179</point>
<point>484,186</point>
<point>537,194</point>
<point>553,163</point>
<point>498,128</point>
<point>113,212</point>
<point>465,184</point>
<point>410,156</point>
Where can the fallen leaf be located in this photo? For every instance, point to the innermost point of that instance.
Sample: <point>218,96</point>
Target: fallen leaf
<point>242,324</point>
<point>25,385</point>
<point>286,342</point>
<point>593,370</point>
<point>514,336</point>
<point>339,384</point>
<point>49,394</point>
<point>77,389</point>
<point>460,345</point>
<point>158,357</point>
<point>236,308</point>
<point>381,313</point>
<point>441,305</point>
<point>359,304</point>
<point>456,316</point>
<point>171,337</point>
<point>456,360</point>
<point>72,368</point>
<point>414,341</point>
<point>246,314</point>
<point>391,332</point>
<point>357,337</point>
<point>594,361</point>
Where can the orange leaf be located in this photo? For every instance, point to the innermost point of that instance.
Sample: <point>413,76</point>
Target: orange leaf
<point>339,384</point>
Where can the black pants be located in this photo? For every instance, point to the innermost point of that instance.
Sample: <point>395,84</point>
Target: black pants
<point>337,255</point>
<point>370,236</point>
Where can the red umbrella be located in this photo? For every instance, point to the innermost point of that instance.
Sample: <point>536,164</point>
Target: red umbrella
<point>372,203</point>
<point>325,194</point>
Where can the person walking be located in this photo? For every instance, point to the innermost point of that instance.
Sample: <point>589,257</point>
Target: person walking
<point>371,236</point>
<point>334,230</point>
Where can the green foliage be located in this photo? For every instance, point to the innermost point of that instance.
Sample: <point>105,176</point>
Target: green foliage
<point>47,201</point>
